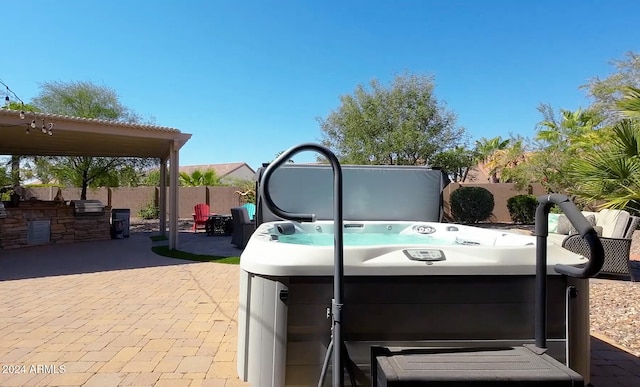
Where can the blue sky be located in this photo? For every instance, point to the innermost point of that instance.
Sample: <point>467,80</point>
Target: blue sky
<point>249,78</point>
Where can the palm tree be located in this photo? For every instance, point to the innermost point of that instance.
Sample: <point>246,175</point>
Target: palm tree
<point>611,172</point>
<point>488,151</point>
<point>563,139</point>
<point>198,178</point>
<point>485,147</point>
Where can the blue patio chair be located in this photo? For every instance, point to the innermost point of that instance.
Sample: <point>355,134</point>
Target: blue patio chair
<point>251,210</point>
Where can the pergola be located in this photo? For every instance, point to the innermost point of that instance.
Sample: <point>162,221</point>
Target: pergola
<point>73,136</point>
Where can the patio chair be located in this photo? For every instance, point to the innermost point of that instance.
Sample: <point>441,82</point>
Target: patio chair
<point>200,216</point>
<point>616,249</point>
<point>242,227</point>
<point>251,210</point>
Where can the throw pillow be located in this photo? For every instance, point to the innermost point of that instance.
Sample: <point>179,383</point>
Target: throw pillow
<point>598,230</point>
<point>553,222</point>
<point>565,227</point>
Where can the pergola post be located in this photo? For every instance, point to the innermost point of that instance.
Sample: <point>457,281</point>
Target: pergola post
<point>162,196</point>
<point>173,195</point>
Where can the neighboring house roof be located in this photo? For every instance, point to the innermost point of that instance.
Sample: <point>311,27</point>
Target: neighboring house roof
<point>222,170</point>
<point>479,173</point>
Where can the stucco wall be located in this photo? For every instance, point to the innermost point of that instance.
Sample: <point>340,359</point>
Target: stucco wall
<point>501,193</point>
<point>222,199</point>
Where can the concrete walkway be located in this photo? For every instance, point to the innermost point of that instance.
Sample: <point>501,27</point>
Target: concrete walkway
<point>112,313</point>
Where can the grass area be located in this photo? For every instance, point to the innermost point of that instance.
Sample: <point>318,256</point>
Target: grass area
<point>166,252</point>
<point>157,238</point>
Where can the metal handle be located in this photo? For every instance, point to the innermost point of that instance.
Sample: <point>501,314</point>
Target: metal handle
<point>338,277</point>
<point>583,227</point>
<point>286,155</point>
<point>542,231</point>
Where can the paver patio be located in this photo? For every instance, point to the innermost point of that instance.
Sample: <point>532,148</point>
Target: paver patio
<point>113,313</point>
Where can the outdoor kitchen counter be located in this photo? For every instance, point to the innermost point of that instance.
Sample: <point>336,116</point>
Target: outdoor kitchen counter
<point>37,222</point>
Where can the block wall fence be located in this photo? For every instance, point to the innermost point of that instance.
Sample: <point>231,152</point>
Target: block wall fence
<point>222,199</point>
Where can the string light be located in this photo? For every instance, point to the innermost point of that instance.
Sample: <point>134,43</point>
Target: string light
<point>46,128</point>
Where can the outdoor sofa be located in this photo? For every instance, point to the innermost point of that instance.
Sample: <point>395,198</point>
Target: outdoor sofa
<point>615,228</point>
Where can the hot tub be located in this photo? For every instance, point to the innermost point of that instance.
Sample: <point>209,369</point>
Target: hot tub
<point>408,283</point>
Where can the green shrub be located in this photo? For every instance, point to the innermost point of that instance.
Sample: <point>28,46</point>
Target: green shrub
<point>471,204</point>
<point>522,208</point>
<point>150,211</point>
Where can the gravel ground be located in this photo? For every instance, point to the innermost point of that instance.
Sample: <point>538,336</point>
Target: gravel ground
<point>615,304</point>
<point>615,312</point>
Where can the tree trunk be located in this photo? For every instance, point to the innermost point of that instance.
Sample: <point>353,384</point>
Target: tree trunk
<point>85,184</point>
<point>83,192</point>
<point>15,170</point>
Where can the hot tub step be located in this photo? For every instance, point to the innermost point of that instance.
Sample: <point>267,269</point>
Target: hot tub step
<point>513,366</point>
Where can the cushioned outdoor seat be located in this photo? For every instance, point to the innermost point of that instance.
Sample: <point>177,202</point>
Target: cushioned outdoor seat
<point>242,227</point>
<point>615,228</point>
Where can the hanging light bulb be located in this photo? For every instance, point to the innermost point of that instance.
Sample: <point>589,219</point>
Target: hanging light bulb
<point>49,132</point>
<point>6,102</point>
<point>22,112</point>
<point>33,124</point>
<point>44,128</point>
<point>27,132</point>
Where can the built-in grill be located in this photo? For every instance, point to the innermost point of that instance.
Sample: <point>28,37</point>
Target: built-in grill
<point>87,207</point>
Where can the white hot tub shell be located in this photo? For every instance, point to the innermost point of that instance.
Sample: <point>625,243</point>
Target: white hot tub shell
<point>477,290</point>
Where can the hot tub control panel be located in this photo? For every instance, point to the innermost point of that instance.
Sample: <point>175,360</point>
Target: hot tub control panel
<point>427,255</point>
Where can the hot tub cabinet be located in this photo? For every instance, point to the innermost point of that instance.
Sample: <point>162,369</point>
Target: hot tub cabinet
<point>36,222</point>
<point>476,295</point>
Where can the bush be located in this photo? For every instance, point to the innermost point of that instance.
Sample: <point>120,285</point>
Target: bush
<point>150,211</point>
<point>522,208</point>
<point>471,204</point>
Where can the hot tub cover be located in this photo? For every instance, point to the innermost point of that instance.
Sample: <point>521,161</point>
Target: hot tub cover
<point>370,192</point>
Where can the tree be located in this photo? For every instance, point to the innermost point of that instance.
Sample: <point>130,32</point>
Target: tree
<point>486,147</point>
<point>87,100</point>
<point>94,172</point>
<point>39,167</point>
<point>198,178</point>
<point>611,172</point>
<point>503,164</point>
<point>402,124</point>
<point>606,92</point>
<point>488,151</point>
<point>456,162</point>
<point>152,178</point>
<point>562,139</point>
<point>5,179</point>
<point>83,99</point>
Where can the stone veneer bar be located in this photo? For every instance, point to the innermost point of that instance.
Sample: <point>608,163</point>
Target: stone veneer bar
<point>65,226</point>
